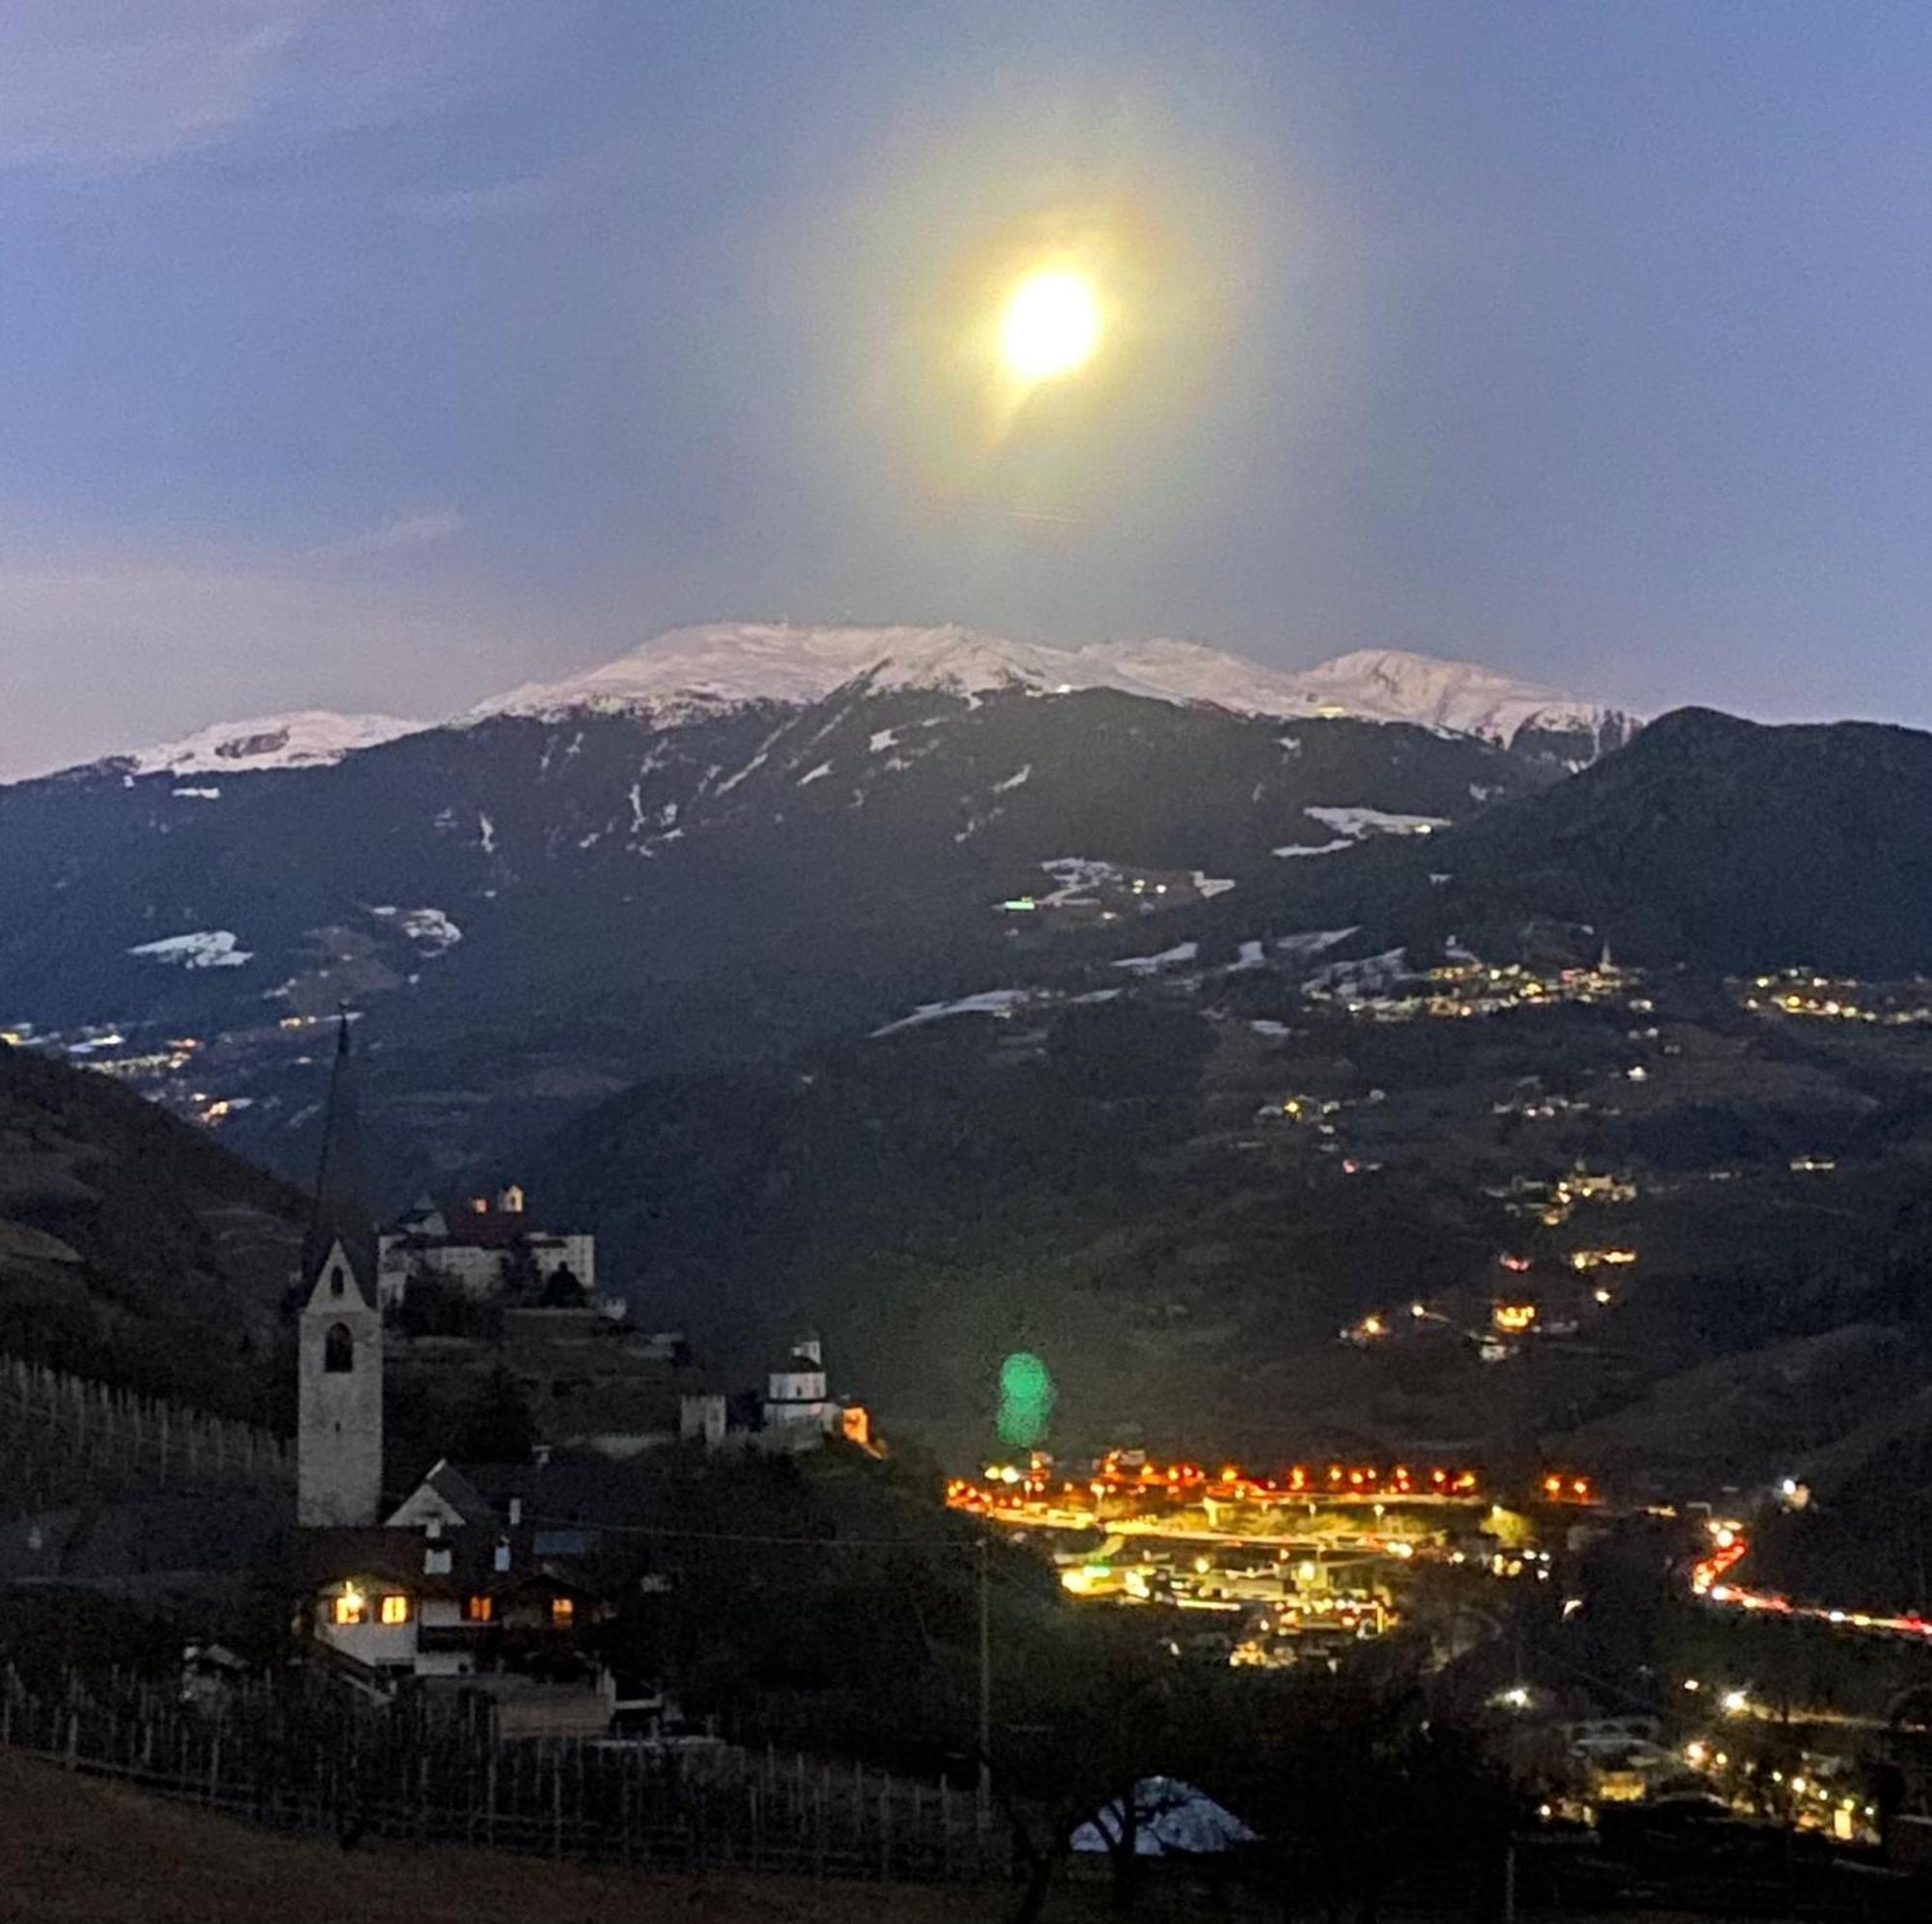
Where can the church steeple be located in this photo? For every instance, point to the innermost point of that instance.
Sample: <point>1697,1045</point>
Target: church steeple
<point>339,1348</point>
<point>340,1215</point>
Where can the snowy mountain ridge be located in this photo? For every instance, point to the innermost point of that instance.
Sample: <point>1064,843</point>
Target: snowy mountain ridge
<point>724,665</point>
<point>1391,684</point>
<point>692,672</point>
<point>304,738</point>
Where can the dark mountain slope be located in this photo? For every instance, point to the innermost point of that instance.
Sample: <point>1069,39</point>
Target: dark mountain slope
<point>535,910</point>
<point>1737,845</point>
<point>133,1249</point>
<point>1708,841</point>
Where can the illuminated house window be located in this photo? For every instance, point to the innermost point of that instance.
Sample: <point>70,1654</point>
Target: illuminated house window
<point>395,1609</point>
<point>562,1612</point>
<point>351,1607</point>
<point>479,1609</point>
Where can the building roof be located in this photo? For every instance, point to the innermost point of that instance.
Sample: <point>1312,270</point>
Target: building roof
<point>475,1228</point>
<point>460,1493</point>
<point>798,1363</point>
<point>557,1495</point>
<point>398,1556</point>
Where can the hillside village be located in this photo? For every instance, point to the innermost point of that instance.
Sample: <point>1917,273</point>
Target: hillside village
<point>500,1549</point>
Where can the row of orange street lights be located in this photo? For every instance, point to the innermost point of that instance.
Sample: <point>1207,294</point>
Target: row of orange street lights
<point>1013,1484</point>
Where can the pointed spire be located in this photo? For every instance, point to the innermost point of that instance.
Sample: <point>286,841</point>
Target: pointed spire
<point>341,1212</point>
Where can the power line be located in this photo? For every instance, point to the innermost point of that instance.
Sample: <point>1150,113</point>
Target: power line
<point>652,1530</point>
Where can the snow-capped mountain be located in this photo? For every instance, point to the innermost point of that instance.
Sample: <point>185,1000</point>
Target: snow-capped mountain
<point>1393,685</point>
<point>726,665</point>
<point>694,673</point>
<point>307,738</point>
<point>684,858</point>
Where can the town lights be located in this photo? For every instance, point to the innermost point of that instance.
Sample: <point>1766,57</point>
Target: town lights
<point>1516,1698</point>
<point>1734,1703</point>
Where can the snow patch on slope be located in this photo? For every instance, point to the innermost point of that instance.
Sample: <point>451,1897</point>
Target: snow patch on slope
<point>1168,958</point>
<point>988,1001</point>
<point>203,948</point>
<point>1358,822</point>
<point>429,929</point>
<point>1353,825</point>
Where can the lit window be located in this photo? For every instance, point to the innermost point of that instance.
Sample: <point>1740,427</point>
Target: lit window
<point>351,1607</point>
<point>479,1609</point>
<point>395,1609</point>
<point>562,1612</point>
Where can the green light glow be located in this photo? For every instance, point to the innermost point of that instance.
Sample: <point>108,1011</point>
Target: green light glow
<point>1026,1400</point>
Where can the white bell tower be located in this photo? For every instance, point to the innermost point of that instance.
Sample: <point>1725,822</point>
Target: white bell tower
<point>339,1386</point>
<point>339,1437</point>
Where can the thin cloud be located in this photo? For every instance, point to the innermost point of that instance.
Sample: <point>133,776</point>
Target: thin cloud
<point>577,176</point>
<point>410,530</point>
<point>105,87</point>
<point>500,200</point>
<point>102,86</point>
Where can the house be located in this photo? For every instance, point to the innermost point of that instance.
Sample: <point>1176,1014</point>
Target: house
<point>430,1603</point>
<point>491,1573</point>
<point>796,1411</point>
<point>481,1248</point>
<point>796,1402</point>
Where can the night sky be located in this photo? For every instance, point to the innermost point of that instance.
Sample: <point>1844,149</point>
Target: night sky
<point>382,354</point>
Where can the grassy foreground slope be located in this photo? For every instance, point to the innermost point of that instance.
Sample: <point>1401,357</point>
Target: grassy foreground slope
<point>76,1849</point>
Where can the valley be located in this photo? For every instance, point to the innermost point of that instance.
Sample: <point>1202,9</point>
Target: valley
<point>1292,1069</point>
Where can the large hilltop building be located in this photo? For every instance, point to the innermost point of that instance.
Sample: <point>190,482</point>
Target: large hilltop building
<point>482,1248</point>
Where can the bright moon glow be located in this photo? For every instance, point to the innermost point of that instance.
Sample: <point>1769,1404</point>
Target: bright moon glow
<point>1051,326</point>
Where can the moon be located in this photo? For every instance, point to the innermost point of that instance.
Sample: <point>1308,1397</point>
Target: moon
<point>1050,326</point>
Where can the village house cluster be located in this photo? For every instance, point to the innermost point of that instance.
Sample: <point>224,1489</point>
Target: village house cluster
<point>498,1574</point>
<point>1268,1569</point>
<point>1385,989</point>
<point>1808,995</point>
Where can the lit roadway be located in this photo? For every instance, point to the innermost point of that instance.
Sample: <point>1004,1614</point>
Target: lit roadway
<point>1710,1580</point>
